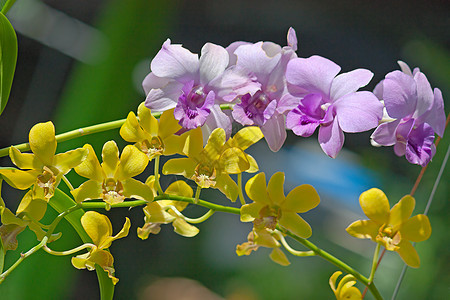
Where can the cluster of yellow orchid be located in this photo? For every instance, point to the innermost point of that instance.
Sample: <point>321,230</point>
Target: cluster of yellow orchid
<point>209,165</point>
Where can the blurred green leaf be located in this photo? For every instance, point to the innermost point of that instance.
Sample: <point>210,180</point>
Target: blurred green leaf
<point>8,58</point>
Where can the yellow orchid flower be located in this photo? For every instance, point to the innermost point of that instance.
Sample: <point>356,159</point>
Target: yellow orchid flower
<point>111,181</point>
<point>210,166</point>
<point>30,211</point>
<point>392,228</point>
<point>162,212</point>
<point>263,237</point>
<point>150,136</point>
<point>271,207</point>
<point>99,229</point>
<point>44,168</point>
<point>345,289</point>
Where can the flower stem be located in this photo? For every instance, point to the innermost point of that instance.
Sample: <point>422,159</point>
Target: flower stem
<point>374,263</point>
<point>201,219</point>
<point>22,258</point>
<point>157,184</point>
<point>197,194</point>
<point>68,252</point>
<point>67,182</point>
<point>241,194</point>
<point>292,251</point>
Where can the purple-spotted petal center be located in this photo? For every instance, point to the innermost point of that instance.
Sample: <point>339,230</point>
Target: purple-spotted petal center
<point>254,110</point>
<point>310,113</point>
<point>193,106</point>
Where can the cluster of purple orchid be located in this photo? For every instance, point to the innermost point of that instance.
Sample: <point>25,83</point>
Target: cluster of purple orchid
<point>271,87</point>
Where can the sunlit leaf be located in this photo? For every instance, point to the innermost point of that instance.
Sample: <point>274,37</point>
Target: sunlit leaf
<point>8,58</point>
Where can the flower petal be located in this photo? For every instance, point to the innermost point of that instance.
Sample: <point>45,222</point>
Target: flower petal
<point>234,161</point>
<point>110,156</point>
<point>416,229</point>
<point>164,98</point>
<point>425,97</point>
<point>246,137</point>
<point>213,61</point>
<point>408,254</point>
<point>168,125</point>
<point>358,111</point>
<point>185,229</point>
<point>180,166</point>
<point>375,205</point>
<point>301,199</point>
<point>133,188</point>
<point>132,162</point>
<point>350,82</point>
<point>64,162</point>
<point>151,81</point>
<point>274,131</point>
<point>331,138</point>
<point>97,226</point>
<point>278,256</point>
<point>24,160</point>
<point>436,116</point>
<point>227,186</point>
<point>363,229</point>
<point>131,131</point>
<point>215,143</point>
<point>43,142</point>
<point>147,120</point>
<point>256,189</point>
<point>315,74</point>
<point>249,212</point>
<point>19,179</point>
<point>91,189</point>
<point>90,167</point>
<point>174,61</point>
<point>399,94</point>
<point>385,134</point>
<point>34,207</point>
<point>275,188</point>
<point>295,224</point>
<point>401,211</point>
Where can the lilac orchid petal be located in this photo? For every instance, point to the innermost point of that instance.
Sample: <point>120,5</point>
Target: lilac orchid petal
<point>213,61</point>
<point>175,62</point>
<point>425,97</point>
<point>231,48</point>
<point>151,81</point>
<point>164,98</point>
<point>349,82</point>
<point>292,39</point>
<point>274,131</point>
<point>358,111</point>
<point>436,116</point>
<point>405,68</point>
<point>378,90</point>
<point>314,74</point>
<point>218,119</point>
<point>402,134</point>
<point>385,133</point>
<point>399,94</point>
<point>331,138</point>
<point>419,149</point>
<point>256,61</point>
<point>271,48</point>
<point>287,103</point>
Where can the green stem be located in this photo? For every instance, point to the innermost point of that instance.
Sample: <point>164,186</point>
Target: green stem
<point>201,219</point>
<point>67,182</point>
<point>22,258</point>
<point>156,172</point>
<point>292,251</point>
<point>374,263</point>
<point>241,194</point>
<point>7,6</point>
<point>197,194</point>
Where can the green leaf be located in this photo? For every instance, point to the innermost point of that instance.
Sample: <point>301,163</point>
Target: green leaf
<point>61,202</point>
<point>8,58</point>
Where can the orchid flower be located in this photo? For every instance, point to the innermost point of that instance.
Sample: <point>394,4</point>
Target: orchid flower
<point>329,101</point>
<point>415,113</point>
<point>180,80</point>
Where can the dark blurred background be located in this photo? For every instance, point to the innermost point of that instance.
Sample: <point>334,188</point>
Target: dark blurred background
<point>82,62</point>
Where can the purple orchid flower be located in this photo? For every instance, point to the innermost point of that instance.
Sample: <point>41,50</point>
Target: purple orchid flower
<point>413,114</point>
<point>264,64</point>
<point>320,98</point>
<point>180,80</point>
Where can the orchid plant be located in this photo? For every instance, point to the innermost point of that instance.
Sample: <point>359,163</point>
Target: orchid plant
<point>191,103</point>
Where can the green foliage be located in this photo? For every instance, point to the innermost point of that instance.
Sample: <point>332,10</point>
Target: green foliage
<point>8,58</point>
